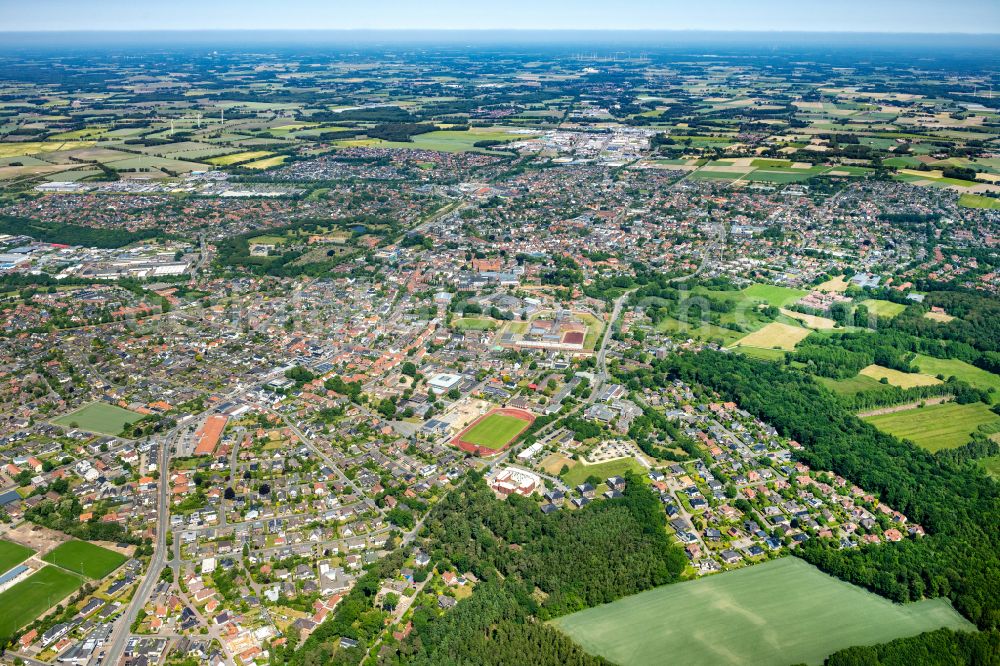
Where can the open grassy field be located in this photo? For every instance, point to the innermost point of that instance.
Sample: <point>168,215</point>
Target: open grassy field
<point>473,324</point>
<point>775,335</point>
<point>946,367</point>
<point>936,427</point>
<point>850,386</point>
<point>992,466</point>
<point>880,308</point>
<point>784,611</point>
<point>897,378</point>
<point>24,602</point>
<point>579,473</point>
<point>12,554</point>
<point>99,417</point>
<point>836,284</point>
<point>495,431</point>
<point>940,317</point>
<point>85,558</point>
<point>812,321</point>
<point>773,295</point>
<point>762,354</point>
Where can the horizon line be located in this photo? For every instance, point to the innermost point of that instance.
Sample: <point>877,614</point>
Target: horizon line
<point>486,30</point>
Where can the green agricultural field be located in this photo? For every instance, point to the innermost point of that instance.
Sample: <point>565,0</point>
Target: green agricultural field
<point>473,324</point>
<point>99,417</point>
<point>27,600</point>
<point>495,431</point>
<point>85,558</point>
<point>578,473</point>
<point>946,367</point>
<point>774,295</point>
<point>935,427</point>
<point>12,554</point>
<point>886,309</point>
<point>780,612</point>
<point>978,201</point>
<point>249,156</point>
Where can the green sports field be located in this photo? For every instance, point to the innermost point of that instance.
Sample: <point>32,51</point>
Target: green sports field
<point>99,417</point>
<point>936,427</point>
<point>24,602</point>
<point>781,612</point>
<point>495,431</point>
<point>12,554</point>
<point>85,558</point>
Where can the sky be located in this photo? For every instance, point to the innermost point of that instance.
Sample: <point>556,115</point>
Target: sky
<point>963,16</point>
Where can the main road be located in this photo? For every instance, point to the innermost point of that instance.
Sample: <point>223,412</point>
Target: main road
<point>123,627</point>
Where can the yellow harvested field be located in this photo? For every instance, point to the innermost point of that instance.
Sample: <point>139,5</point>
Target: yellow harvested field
<point>812,321</point>
<point>938,316</point>
<point>35,147</point>
<point>897,378</point>
<point>277,160</point>
<point>775,336</point>
<point>837,284</point>
<point>227,160</point>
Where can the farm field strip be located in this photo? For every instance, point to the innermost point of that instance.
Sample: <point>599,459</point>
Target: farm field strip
<point>936,427</point>
<point>780,612</point>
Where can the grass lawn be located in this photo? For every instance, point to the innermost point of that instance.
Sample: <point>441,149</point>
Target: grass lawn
<point>578,474</point>
<point>24,602</point>
<point>99,417</point>
<point>473,324</point>
<point>775,335</point>
<point>495,431</point>
<point>970,374</point>
<point>883,308</point>
<point>85,558</point>
<point>897,378</point>
<point>773,295</point>
<point>12,554</point>
<point>780,612</point>
<point>851,386</point>
<point>936,427</point>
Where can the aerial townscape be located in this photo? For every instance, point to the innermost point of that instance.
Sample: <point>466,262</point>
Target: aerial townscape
<point>498,347</point>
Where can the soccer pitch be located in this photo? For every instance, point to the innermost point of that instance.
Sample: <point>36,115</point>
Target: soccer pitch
<point>85,558</point>
<point>784,611</point>
<point>99,417</point>
<point>495,431</point>
<point>12,554</point>
<point>31,597</point>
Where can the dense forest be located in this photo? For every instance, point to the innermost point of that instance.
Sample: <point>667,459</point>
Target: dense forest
<point>944,646</point>
<point>69,234</point>
<point>954,501</point>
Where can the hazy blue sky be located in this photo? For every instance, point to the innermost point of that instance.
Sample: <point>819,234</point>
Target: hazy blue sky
<point>982,16</point>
